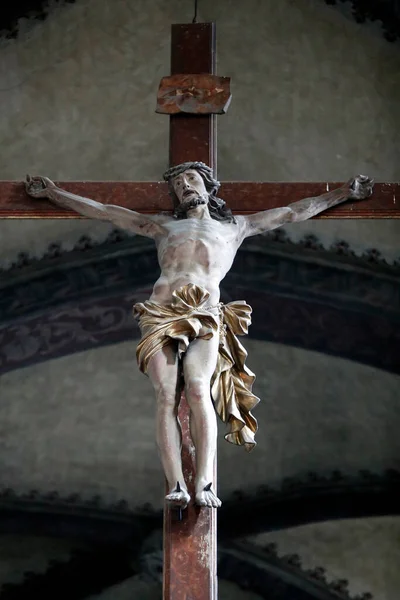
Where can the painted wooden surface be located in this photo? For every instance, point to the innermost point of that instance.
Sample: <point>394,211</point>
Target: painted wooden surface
<point>190,545</point>
<point>241,196</point>
<point>202,94</point>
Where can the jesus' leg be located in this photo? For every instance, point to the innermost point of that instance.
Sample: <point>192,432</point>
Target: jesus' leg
<point>164,374</point>
<point>198,367</point>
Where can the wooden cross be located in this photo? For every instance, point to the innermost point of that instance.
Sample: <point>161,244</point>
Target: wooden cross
<point>190,543</point>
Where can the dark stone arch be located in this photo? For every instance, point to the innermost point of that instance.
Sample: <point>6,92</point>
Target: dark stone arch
<point>322,301</point>
<point>386,11</point>
<point>119,532</point>
<point>296,502</point>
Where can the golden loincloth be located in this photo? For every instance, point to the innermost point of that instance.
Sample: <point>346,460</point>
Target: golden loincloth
<point>183,320</point>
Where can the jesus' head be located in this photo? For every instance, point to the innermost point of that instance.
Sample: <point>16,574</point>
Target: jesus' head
<point>192,184</point>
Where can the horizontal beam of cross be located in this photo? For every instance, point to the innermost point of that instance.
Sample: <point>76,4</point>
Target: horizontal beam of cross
<point>241,197</point>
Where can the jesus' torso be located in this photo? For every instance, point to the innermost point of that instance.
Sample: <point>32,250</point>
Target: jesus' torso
<point>199,251</point>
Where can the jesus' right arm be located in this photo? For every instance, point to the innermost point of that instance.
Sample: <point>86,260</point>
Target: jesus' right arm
<point>357,188</point>
<point>146,225</point>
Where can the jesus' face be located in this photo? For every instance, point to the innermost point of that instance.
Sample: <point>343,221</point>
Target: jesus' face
<point>189,186</point>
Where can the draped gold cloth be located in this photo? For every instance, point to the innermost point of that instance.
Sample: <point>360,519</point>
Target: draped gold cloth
<point>187,318</point>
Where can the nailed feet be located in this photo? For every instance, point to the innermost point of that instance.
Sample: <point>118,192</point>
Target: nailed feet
<point>178,497</point>
<point>206,497</point>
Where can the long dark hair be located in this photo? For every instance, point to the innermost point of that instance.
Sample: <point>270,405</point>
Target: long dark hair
<point>216,206</point>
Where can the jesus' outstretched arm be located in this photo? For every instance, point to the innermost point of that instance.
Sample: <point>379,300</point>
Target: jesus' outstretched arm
<point>357,188</point>
<point>146,225</point>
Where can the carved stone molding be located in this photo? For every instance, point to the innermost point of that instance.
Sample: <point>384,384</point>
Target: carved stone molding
<point>117,236</point>
<point>274,577</point>
<point>255,569</point>
<point>132,538</point>
<point>329,302</point>
<point>258,570</point>
<point>297,501</point>
<point>316,497</point>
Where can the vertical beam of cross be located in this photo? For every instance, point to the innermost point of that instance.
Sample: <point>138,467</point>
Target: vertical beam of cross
<point>193,137</point>
<point>190,545</point>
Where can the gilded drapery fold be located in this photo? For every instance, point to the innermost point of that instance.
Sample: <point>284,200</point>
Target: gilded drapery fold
<point>187,318</point>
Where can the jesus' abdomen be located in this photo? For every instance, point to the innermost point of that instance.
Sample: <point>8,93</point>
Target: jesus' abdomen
<point>194,251</point>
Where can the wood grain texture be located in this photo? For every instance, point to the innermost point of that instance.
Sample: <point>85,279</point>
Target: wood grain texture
<point>190,545</point>
<point>241,197</point>
<point>192,137</point>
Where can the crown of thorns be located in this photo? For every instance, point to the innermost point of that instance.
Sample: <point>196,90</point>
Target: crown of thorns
<point>178,169</point>
<point>203,169</point>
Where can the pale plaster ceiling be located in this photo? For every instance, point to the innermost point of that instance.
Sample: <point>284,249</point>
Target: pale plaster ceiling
<point>85,424</point>
<point>22,554</point>
<point>370,546</point>
<point>364,552</point>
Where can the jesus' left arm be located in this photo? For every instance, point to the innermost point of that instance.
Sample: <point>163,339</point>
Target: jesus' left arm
<point>355,189</point>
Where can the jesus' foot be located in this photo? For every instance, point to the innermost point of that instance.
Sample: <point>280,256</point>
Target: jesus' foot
<point>206,497</point>
<point>178,497</point>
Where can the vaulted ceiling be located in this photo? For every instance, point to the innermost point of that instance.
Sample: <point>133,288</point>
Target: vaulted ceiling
<point>385,11</point>
<point>328,441</point>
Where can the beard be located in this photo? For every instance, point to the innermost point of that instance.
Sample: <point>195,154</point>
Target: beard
<point>182,210</point>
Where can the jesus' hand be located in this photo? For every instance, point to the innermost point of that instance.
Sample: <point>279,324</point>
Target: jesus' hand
<point>360,187</point>
<point>38,187</point>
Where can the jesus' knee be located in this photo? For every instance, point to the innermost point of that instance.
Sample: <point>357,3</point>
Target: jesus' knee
<point>197,391</point>
<point>166,396</point>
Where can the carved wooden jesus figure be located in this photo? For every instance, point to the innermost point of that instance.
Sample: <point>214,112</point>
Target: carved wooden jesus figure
<point>186,331</point>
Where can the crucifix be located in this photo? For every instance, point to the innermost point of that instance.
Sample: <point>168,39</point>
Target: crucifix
<point>189,347</point>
